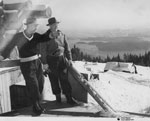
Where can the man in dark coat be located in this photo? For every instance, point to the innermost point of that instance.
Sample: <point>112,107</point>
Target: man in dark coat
<point>58,58</point>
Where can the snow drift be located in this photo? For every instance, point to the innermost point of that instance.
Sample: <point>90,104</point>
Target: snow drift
<point>123,91</point>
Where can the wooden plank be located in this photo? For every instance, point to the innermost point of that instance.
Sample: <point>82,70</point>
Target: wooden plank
<point>13,25</point>
<point>11,16</point>
<point>9,63</point>
<point>39,13</point>
<point>15,6</point>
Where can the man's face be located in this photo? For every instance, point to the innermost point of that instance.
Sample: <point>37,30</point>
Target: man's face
<point>54,26</point>
<point>32,27</point>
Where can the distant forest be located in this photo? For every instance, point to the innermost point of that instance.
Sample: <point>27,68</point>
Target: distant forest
<point>143,60</point>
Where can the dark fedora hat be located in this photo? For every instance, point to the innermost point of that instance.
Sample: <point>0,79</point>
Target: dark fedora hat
<point>52,21</point>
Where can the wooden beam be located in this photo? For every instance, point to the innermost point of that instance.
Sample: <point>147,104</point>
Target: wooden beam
<point>9,63</point>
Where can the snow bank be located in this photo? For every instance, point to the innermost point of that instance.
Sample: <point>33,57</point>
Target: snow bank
<point>123,91</point>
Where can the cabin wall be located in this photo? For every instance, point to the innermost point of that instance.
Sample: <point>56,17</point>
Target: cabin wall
<point>8,77</point>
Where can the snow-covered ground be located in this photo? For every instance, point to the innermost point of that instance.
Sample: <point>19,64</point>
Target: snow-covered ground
<point>123,91</point>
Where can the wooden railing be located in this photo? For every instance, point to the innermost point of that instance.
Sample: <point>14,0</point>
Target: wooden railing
<point>9,63</point>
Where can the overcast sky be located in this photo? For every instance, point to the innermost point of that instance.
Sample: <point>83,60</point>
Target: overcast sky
<point>99,14</point>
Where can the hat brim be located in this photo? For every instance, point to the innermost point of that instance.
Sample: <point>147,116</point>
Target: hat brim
<point>29,23</point>
<point>53,23</point>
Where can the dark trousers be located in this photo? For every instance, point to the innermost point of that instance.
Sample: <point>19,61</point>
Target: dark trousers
<point>57,75</point>
<point>33,75</point>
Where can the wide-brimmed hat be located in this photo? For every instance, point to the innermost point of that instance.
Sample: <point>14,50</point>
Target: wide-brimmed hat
<point>30,20</point>
<point>52,21</point>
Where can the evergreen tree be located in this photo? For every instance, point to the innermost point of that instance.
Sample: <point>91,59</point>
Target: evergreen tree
<point>143,60</point>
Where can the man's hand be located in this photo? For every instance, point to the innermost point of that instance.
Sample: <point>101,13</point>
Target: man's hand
<point>46,70</point>
<point>45,67</point>
<point>70,63</point>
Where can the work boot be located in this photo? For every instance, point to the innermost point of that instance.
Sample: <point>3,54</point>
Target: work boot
<point>43,109</point>
<point>36,109</point>
<point>70,100</point>
<point>58,98</point>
